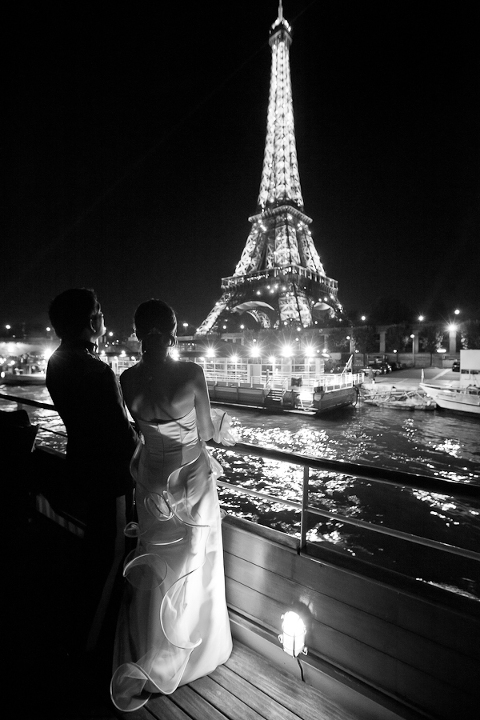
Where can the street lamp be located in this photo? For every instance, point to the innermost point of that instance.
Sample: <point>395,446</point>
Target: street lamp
<point>421,318</point>
<point>413,348</point>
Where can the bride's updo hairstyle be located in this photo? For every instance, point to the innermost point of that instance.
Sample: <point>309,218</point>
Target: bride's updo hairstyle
<point>155,326</point>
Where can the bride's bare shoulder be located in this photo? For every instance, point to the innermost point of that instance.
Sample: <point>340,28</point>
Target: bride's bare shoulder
<point>128,376</point>
<point>192,370</point>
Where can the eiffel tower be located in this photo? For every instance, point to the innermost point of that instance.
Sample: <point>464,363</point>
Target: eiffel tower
<point>280,280</point>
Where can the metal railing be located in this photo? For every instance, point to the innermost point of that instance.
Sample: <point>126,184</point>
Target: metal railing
<point>460,491</point>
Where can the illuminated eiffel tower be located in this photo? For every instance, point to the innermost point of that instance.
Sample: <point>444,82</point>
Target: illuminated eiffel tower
<point>280,280</point>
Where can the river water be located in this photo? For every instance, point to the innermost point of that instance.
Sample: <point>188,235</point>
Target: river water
<point>433,443</point>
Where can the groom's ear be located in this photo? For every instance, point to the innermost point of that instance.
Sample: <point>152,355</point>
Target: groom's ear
<point>95,322</point>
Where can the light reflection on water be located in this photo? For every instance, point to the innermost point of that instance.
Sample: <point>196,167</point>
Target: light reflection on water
<point>434,444</point>
<point>437,444</point>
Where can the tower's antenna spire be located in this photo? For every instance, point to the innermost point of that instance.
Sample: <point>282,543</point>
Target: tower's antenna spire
<point>280,10</point>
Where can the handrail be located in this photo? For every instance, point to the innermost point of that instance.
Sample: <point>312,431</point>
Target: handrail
<point>367,472</point>
<point>27,401</point>
<point>462,491</point>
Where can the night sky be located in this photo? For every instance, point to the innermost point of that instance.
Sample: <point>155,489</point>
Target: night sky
<point>136,142</point>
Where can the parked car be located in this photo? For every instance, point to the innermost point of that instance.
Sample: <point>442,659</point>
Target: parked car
<point>396,365</point>
<point>456,366</point>
<point>379,368</point>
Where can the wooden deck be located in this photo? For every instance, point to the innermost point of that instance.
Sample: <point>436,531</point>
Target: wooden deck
<point>246,688</point>
<point>46,682</point>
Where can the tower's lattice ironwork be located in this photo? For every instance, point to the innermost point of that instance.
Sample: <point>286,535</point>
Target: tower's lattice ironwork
<point>280,279</point>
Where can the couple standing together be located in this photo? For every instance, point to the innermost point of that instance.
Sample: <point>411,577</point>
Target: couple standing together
<point>173,624</point>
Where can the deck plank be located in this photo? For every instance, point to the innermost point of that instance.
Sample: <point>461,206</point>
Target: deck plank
<point>247,687</point>
<point>250,695</point>
<point>161,707</point>
<point>223,700</point>
<point>301,699</point>
<point>194,705</point>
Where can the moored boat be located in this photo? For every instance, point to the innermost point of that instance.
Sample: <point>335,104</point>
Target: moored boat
<point>462,396</point>
<point>325,393</point>
<point>465,400</point>
<point>398,399</point>
<point>312,393</point>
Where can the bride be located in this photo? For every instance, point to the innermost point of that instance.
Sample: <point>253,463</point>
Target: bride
<point>173,626</point>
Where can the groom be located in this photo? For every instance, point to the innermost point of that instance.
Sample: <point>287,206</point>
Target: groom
<point>100,444</point>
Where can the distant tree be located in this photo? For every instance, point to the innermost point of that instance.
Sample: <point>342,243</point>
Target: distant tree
<point>337,339</point>
<point>430,339</point>
<point>397,337</point>
<point>366,339</point>
<point>470,335</point>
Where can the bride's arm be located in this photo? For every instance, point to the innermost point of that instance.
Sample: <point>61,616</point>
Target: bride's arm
<point>202,405</point>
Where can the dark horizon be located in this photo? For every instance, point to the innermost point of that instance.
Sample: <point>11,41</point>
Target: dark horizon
<point>137,145</point>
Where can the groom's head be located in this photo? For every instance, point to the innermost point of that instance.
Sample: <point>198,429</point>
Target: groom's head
<point>76,313</point>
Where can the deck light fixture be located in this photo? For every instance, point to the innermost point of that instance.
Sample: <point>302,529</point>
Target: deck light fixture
<point>293,634</point>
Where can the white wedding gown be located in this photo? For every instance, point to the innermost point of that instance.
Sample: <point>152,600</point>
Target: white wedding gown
<point>173,625</point>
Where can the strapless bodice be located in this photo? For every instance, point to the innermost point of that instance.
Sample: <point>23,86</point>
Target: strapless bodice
<point>167,445</point>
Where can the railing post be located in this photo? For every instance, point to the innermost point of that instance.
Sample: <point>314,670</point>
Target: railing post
<point>304,515</point>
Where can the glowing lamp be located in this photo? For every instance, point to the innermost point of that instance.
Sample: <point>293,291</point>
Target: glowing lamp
<point>293,634</point>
